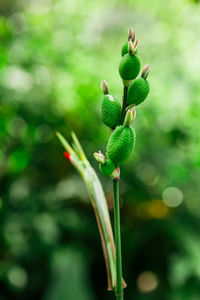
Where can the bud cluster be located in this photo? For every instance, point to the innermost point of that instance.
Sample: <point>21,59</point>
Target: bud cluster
<point>122,140</point>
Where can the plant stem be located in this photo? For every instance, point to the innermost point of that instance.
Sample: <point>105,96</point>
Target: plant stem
<point>98,200</point>
<point>119,286</point>
<point>124,103</point>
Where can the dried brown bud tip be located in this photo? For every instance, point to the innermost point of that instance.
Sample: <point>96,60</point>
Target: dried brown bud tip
<point>104,87</point>
<point>133,37</point>
<point>132,47</point>
<point>135,45</point>
<point>131,34</point>
<point>145,72</point>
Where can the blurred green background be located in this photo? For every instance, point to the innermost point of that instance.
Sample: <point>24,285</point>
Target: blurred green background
<point>53,55</point>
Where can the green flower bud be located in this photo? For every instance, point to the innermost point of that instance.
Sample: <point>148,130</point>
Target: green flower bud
<point>100,157</point>
<point>137,91</point>
<point>130,116</point>
<point>107,168</point>
<point>132,47</point>
<point>110,111</point>
<point>131,37</point>
<point>120,144</point>
<point>129,67</point>
<point>125,49</point>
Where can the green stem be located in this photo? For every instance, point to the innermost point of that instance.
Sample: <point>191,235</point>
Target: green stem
<point>98,200</point>
<point>124,104</point>
<point>119,286</point>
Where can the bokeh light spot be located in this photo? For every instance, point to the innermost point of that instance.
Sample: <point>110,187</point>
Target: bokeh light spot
<point>19,191</point>
<point>147,282</point>
<point>17,127</point>
<point>147,173</point>
<point>40,7</point>
<point>17,277</point>
<point>157,209</point>
<point>17,79</point>
<point>172,196</point>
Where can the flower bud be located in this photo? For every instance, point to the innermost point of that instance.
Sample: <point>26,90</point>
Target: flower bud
<point>110,111</point>
<point>130,116</point>
<point>104,87</point>
<point>125,49</point>
<point>120,144</point>
<point>131,37</point>
<point>100,157</point>
<point>131,34</point>
<point>129,66</point>
<point>132,47</point>
<point>139,88</point>
<point>145,72</point>
<point>107,168</point>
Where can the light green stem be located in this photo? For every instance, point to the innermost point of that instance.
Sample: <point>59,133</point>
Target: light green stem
<point>95,190</point>
<point>99,203</point>
<point>119,285</point>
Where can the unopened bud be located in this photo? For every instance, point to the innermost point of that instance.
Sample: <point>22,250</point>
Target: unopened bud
<point>145,72</point>
<point>135,45</point>
<point>130,116</point>
<point>131,34</point>
<point>132,47</point>
<point>104,87</point>
<point>100,157</point>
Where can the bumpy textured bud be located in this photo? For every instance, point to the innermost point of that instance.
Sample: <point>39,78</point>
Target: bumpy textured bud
<point>120,144</point>
<point>124,49</point>
<point>110,111</point>
<point>129,67</point>
<point>137,91</point>
<point>107,168</point>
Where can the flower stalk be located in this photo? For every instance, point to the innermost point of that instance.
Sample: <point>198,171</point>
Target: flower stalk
<point>120,145</point>
<point>119,285</point>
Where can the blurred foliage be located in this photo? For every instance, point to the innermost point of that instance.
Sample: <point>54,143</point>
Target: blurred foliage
<point>53,55</point>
